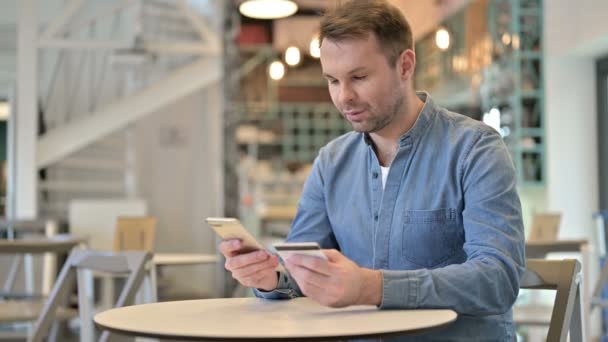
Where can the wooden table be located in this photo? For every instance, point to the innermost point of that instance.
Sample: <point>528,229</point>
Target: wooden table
<point>174,259</point>
<point>539,249</point>
<point>25,248</point>
<point>55,244</point>
<point>255,319</point>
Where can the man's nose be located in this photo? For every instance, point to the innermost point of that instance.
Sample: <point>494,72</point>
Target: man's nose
<point>347,95</point>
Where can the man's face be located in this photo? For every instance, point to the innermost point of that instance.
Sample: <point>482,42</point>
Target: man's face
<point>362,85</point>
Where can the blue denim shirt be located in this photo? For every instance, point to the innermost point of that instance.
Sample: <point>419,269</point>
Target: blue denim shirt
<point>446,231</point>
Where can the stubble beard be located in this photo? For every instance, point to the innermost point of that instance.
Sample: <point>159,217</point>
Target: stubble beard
<point>376,122</point>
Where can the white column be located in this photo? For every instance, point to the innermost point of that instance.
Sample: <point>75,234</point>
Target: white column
<point>25,175</point>
<point>572,165</point>
<point>571,126</point>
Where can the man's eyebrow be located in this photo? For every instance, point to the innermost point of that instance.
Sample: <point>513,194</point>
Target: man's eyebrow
<point>355,70</point>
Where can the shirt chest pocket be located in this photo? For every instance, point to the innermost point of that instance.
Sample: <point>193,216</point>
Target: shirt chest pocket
<point>430,237</point>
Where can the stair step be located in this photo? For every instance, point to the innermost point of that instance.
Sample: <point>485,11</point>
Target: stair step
<point>58,209</point>
<point>92,164</point>
<point>117,142</point>
<point>98,153</point>
<point>160,4</point>
<point>163,12</point>
<point>84,175</point>
<point>79,186</point>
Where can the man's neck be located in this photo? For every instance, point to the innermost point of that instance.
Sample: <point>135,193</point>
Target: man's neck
<point>386,140</point>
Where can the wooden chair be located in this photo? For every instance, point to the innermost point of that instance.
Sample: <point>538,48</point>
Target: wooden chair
<point>135,234</point>
<point>563,276</point>
<point>28,307</point>
<point>545,227</point>
<point>130,264</point>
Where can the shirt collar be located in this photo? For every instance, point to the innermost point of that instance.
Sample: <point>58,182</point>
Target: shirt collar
<point>425,117</point>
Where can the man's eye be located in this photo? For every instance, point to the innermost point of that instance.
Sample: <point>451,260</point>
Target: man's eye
<point>333,82</point>
<point>358,78</point>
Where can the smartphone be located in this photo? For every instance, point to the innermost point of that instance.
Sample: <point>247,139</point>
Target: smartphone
<point>230,228</point>
<point>286,249</point>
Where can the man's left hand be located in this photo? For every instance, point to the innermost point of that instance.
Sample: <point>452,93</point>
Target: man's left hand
<point>336,282</point>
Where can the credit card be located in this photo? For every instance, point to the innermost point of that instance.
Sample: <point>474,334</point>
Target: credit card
<point>286,249</point>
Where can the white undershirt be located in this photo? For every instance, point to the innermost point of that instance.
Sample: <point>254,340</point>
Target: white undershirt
<point>384,175</point>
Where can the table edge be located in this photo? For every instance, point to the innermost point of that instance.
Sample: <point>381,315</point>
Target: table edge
<point>259,339</point>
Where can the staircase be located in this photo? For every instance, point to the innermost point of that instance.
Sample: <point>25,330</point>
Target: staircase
<point>104,66</point>
<point>96,171</point>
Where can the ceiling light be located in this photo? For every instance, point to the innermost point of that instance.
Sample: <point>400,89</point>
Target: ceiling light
<point>515,41</point>
<point>442,39</point>
<point>315,51</point>
<point>276,70</point>
<point>292,56</point>
<point>268,9</point>
<point>5,111</point>
<point>506,38</point>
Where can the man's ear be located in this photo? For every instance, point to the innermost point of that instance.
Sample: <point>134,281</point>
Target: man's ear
<point>406,64</point>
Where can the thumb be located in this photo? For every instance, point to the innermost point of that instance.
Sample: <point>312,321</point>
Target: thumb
<point>333,255</point>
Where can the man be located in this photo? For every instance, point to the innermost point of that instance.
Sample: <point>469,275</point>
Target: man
<point>417,207</point>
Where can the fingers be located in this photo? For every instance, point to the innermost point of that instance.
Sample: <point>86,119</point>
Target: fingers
<point>243,260</point>
<point>251,270</point>
<point>314,287</point>
<point>255,269</point>
<point>314,264</point>
<point>229,248</point>
<point>313,292</point>
<point>305,276</point>
<point>333,255</point>
<point>258,279</point>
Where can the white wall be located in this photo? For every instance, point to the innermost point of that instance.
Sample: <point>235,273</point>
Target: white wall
<point>179,171</point>
<point>571,46</point>
<point>8,48</point>
<point>572,166</point>
<point>573,40</point>
<point>578,29</point>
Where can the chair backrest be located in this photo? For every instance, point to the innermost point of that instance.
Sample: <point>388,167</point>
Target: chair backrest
<point>545,227</point>
<point>95,218</point>
<point>131,263</point>
<point>135,234</point>
<point>564,277</point>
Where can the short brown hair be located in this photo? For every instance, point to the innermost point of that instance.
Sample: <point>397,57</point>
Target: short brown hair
<point>358,18</point>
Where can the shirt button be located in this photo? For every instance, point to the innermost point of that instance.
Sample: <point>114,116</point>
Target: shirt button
<point>375,175</point>
<point>376,217</point>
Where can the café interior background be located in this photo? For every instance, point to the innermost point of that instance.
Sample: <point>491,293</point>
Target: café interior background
<point>200,111</point>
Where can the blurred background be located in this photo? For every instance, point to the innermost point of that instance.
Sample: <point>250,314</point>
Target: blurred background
<point>182,110</point>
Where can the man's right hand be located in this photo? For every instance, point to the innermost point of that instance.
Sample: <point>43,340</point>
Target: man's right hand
<point>254,269</point>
